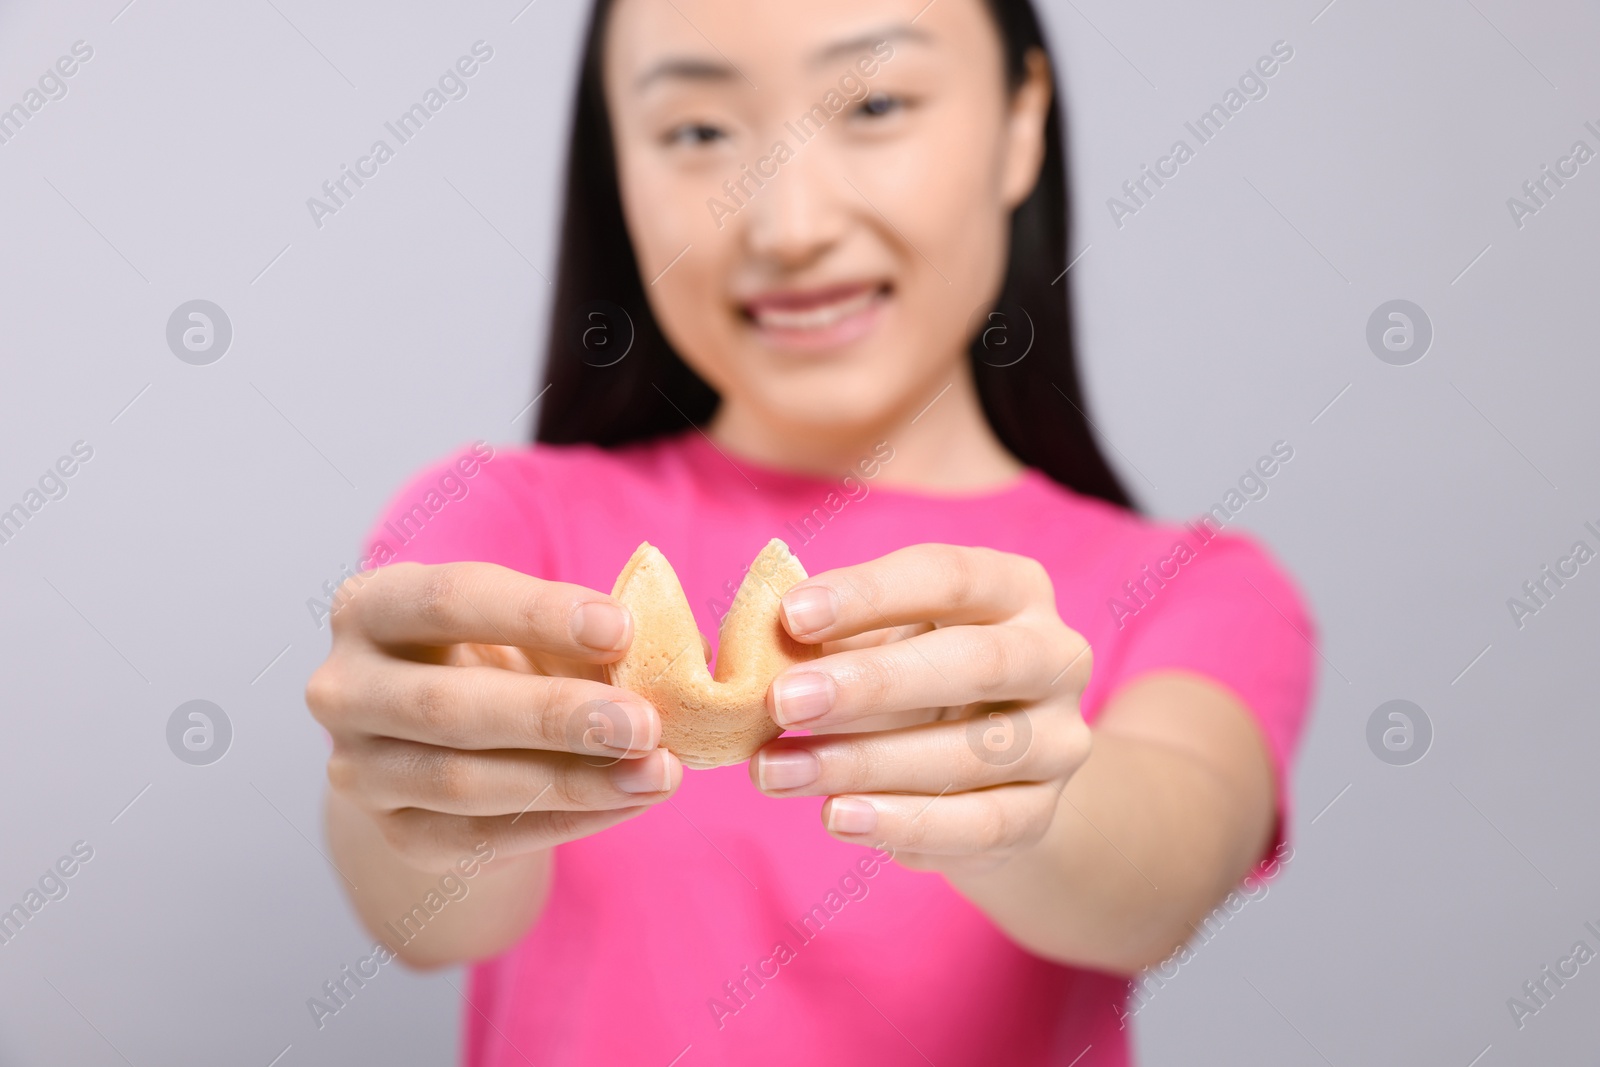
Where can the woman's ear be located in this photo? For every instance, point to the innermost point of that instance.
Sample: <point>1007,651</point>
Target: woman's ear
<point>1028,109</point>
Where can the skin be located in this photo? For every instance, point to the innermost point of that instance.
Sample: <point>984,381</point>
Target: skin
<point>452,692</point>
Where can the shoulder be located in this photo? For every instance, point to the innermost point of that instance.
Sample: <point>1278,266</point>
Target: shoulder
<point>1196,561</point>
<point>1217,603</point>
<point>1197,595</point>
<point>1196,566</point>
<point>507,503</point>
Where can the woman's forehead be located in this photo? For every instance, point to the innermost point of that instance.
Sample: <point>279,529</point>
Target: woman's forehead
<point>655,42</point>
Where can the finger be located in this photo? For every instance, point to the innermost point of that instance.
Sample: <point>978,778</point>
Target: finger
<point>479,707</point>
<point>389,775</point>
<point>954,666</point>
<point>413,604</point>
<point>988,749</point>
<point>431,840</point>
<point>945,584</point>
<point>874,638</point>
<point>1004,818</point>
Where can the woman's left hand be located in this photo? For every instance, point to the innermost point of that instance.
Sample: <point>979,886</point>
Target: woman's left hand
<point>944,709</point>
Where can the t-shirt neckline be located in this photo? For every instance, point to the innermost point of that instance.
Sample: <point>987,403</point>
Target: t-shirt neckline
<point>764,476</point>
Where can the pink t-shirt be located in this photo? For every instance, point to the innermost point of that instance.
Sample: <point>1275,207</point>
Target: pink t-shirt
<point>727,927</point>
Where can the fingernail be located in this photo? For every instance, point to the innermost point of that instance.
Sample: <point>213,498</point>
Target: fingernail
<point>601,626</point>
<point>644,722</point>
<point>648,774</point>
<point>798,698</point>
<point>847,815</point>
<point>606,726</point>
<point>810,609</point>
<point>788,769</point>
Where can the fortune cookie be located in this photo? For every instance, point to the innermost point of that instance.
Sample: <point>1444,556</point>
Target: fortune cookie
<point>708,721</point>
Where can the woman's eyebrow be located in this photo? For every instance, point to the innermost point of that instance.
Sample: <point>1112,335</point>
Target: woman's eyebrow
<point>688,68</point>
<point>696,68</point>
<point>864,42</point>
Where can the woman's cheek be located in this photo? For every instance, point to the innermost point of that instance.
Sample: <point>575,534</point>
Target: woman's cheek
<point>661,205</point>
<point>674,260</point>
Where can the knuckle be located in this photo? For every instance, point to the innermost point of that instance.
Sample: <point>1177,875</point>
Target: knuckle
<point>449,777</point>
<point>993,664</point>
<point>568,791</point>
<point>1079,743</point>
<point>558,720</point>
<point>530,613</point>
<point>563,825</point>
<point>917,831</point>
<point>995,828</point>
<point>438,601</point>
<point>342,772</point>
<point>341,617</point>
<point>327,691</point>
<point>380,586</point>
<point>958,570</point>
<point>911,834</point>
<point>1071,655</point>
<point>871,679</point>
<point>434,702</point>
<point>1077,645</point>
<point>1035,574</point>
<point>864,584</point>
<point>1083,657</point>
<point>323,689</point>
<point>862,763</point>
<point>538,609</point>
<point>1040,814</point>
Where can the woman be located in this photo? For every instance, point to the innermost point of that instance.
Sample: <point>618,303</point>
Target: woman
<point>810,288</point>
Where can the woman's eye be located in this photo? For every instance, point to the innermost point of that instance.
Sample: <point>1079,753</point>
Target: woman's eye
<point>693,134</point>
<point>877,105</point>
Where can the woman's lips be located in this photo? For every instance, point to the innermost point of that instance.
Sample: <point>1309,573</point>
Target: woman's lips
<point>819,318</point>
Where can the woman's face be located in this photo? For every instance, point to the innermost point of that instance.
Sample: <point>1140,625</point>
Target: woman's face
<point>819,193</point>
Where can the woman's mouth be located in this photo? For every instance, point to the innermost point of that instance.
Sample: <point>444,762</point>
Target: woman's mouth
<point>816,318</point>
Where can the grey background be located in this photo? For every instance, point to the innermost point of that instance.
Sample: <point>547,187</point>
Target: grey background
<point>1227,314</point>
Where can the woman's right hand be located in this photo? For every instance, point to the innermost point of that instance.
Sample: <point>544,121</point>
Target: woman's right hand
<point>466,705</point>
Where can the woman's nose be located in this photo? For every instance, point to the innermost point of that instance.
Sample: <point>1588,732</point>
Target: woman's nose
<point>796,215</point>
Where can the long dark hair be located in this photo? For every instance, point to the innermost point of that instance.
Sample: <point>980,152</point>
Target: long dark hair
<point>1036,405</point>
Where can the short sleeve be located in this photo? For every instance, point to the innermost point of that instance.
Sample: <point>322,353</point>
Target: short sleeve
<point>462,508</point>
<point>1231,613</point>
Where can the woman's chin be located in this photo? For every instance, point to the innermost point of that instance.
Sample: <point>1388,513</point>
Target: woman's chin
<point>824,417</point>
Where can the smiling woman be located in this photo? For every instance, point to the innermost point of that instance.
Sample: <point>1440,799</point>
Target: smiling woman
<point>957,112</point>
<point>945,721</point>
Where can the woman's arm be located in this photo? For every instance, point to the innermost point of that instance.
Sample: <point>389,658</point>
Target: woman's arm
<point>1172,809</point>
<point>502,897</point>
<point>946,727</point>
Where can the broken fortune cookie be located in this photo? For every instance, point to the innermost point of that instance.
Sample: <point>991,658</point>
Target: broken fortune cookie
<point>708,721</point>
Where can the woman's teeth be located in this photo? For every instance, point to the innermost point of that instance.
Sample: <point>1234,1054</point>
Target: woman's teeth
<point>815,318</point>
